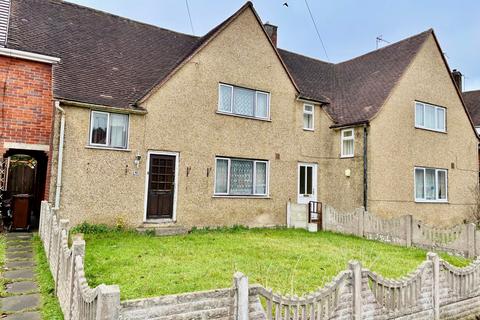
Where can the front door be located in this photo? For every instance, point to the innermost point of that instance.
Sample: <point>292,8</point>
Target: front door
<point>161,186</point>
<point>307,182</point>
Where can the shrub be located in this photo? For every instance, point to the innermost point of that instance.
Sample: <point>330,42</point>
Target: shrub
<point>87,228</point>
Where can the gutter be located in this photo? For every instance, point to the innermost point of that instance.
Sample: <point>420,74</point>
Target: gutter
<point>60,156</point>
<point>352,124</point>
<point>101,107</point>
<point>28,56</point>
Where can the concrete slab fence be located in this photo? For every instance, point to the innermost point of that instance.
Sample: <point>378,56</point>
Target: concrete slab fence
<point>435,290</point>
<point>407,231</point>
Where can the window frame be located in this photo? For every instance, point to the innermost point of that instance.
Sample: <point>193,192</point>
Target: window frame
<point>254,194</point>
<point>107,144</point>
<point>423,127</point>
<point>312,113</point>
<point>232,99</point>
<point>343,138</point>
<point>424,200</point>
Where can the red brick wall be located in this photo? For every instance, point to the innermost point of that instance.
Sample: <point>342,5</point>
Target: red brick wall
<point>26,114</point>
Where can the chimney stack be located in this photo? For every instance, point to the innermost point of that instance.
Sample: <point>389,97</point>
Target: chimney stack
<point>457,77</point>
<point>272,32</point>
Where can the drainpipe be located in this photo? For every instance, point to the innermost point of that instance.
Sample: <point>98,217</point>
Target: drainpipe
<point>60,155</point>
<point>365,167</point>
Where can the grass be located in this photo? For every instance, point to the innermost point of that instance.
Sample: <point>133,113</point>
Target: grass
<point>289,261</point>
<point>50,307</point>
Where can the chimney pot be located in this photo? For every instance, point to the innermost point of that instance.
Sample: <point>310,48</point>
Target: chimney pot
<point>272,32</point>
<point>457,77</point>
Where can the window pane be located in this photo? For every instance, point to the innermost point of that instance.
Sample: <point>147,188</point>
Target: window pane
<point>221,175</point>
<point>419,184</point>
<point>442,185</point>
<point>302,180</point>
<point>261,178</point>
<point>347,133</point>
<point>309,180</point>
<point>419,115</point>
<point>440,119</point>
<point>347,148</point>
<point>262,105</point>
<point>99,128</point>
<point>118,130</point>
<point>225,98</point>
<point>430,184</point>
<point>243,101</point>
<point>241,177</point>
<point>430,117</point>
<point>308,108</point>
<point>307,121</point>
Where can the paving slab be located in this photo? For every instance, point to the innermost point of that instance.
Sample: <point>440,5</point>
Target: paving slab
<point>19,274</point>
<point>19,303</point>
<point>24,316</point>
<point>19,235</point>
<point>22,287</point>
<point>19,264</point>
<point>19,255</point>
<point>28,248</point>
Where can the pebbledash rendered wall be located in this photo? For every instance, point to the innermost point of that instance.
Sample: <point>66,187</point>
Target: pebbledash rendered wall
<point>435,290</point>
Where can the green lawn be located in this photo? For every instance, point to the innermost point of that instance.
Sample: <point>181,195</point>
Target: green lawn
<point>289,261</point>
<point>50,306</point>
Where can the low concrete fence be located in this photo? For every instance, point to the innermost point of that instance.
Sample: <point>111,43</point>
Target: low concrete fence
<point>436,290</point>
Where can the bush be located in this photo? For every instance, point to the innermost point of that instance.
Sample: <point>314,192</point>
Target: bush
<point>87,228</point>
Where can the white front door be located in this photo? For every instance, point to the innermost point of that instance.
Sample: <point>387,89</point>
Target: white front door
<point>307,182</point>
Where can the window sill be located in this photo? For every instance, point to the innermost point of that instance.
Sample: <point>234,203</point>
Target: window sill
<point>432,201</point>
<point>241,197</point>
<point>107,148</point>
<point>431,130</point>
<point>307,129</point>
<point>240,116</point>
<point>347,157</point>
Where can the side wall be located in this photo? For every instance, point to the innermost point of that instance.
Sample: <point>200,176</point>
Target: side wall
<point>27,108</point>
<point>396,146</point>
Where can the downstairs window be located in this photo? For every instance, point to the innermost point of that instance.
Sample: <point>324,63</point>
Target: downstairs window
<point>430,185</point>
<point>241,177</point>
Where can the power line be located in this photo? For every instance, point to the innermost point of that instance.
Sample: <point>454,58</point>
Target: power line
<point>316,29</point>
<point>190,17</point>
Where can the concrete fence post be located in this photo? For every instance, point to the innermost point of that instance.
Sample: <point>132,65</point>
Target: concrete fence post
<point>361,222</point>
<point>63,225</point>
<point>78,249</point>
<point>240,285</point>
<point>471,241</point>
<point>408,230</point>
<point>324,216</point>
<point>433,257</point>
<point>356,269</point>
<point>108,304</point>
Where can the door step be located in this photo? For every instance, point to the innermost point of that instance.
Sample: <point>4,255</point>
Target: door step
<point>165,230</point>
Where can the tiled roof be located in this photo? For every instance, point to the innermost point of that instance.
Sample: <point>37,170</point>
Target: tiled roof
<point>472,102</point>
<point>356,88</point>
<point>113,61</point>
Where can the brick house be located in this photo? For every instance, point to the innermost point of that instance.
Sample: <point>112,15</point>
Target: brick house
<point>164,128</point>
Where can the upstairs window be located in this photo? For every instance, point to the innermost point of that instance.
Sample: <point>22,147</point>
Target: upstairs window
<point>241,177</point>
<point>243,102</point>
<point>308,117</point>
<point>430,185</point>
<point>429,117</point>
<point>348,143</point>
<point>109,130</point>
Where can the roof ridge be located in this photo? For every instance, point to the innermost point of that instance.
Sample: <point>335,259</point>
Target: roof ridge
<point>305,56</point>
<point>472,91</point>
<point>116,16</point>
<point>388,46</point>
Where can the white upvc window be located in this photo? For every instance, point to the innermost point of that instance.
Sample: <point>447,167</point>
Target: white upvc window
<point>430,117</point>
<point>308,117</point>
<point>431,185</point>
<point>243,102</point>
<point>241,177</point>
<point>108,130</point>
<point>347,143</point>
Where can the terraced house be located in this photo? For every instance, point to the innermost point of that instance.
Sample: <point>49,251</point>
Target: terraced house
<point>226,128</point>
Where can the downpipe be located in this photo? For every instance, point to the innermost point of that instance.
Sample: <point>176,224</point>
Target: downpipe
<point>60,156</point>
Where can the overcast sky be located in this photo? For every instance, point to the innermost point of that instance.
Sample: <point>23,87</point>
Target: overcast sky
<point>348,27</point>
